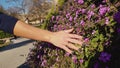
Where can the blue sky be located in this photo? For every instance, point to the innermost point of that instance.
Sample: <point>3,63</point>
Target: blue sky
<point>5,4</point>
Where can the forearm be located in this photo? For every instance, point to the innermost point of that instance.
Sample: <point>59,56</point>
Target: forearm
<point>27,31</point>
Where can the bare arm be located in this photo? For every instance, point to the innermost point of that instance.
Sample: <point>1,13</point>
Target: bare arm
<point>27,31</point>
<point>60,39</point>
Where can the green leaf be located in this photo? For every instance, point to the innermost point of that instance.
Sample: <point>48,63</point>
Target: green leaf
<point>94,44</point>
<point>86,64</point>
<point>101,37</point>
<point>100,48</point>
<point>111,30</point>
<point>95,39</point>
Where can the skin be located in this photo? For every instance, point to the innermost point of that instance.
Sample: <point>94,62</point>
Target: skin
<point>62,39</point>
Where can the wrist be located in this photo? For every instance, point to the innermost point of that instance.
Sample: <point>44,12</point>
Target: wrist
<point>49,36</point>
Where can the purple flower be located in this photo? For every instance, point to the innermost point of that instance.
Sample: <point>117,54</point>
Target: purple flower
<point>53,17</point>
<point>106,20</point>
<point>72,8</point>
<point>90,13</point>
<point>55,27</point>
<point>82,22</point>
<point>103,10</point>
<point>63,19</point>
<point>93,6</point>
<point>86,39</point>
<point>104,56</point>
<point>80,1</point>
<point>77,12</point>
<point>44,62</point>
<point>74,58</point>
<point>67,15</point>
<point>117,17</point>
<point>57,18</point>
<point>81,60</point>
<point>83,10</point>
<point>67,54</point>
<point>80,10</point>
<point>59,27</point>
<point>76,24</point>
<point>71,18</point>
<point>101,6</point>
<point>75,18</point>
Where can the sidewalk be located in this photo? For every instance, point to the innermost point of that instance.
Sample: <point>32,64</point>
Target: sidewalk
<point>14,55</point>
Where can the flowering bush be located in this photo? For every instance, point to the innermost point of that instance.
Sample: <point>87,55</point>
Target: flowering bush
<point>91,19</point>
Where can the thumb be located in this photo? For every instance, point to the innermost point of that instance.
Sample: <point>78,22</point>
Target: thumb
<point>68,31</point>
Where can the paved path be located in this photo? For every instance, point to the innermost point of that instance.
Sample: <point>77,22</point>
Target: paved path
<point>14,55</point>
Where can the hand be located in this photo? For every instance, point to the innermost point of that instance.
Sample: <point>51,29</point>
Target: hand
<point>63,39</point>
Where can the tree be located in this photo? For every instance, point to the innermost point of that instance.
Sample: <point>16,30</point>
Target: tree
<point>22,5</point>
<point>13,11</point>
<point>31,9</point>
<point>39,8</point>
<point>2,9</point>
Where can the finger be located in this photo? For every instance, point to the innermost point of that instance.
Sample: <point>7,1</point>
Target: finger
<point>67,49</point>
<point>72,46</point>
<point>68,31</point>
<point>76,36</point>
<point>75,41</point>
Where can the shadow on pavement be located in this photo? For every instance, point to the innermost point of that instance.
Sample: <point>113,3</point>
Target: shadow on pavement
<point>16,45</point>
<point>24,65</point>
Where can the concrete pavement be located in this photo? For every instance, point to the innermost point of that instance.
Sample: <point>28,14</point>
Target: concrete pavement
<point>14,55</point>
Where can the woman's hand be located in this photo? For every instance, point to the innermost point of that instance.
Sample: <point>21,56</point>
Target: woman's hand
<point>65,40</point>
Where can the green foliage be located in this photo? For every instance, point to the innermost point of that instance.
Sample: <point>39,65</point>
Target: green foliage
<point>61,2</point>
<point>53,11</point>
<point>4,35</point>
<point>2,42</point>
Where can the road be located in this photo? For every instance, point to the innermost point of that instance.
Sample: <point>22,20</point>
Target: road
<point>15,54</point>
